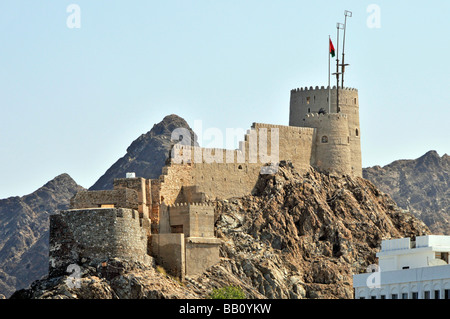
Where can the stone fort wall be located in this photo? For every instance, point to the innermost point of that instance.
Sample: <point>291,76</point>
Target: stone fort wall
<point>192,219</point>
<point>96,235</point>
<point>125,198</point>
<point>332,144</point>
<point>232,173</point>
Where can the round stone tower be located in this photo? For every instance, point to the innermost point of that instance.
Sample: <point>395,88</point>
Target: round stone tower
<point>305,101</point>
<point>332,144</point>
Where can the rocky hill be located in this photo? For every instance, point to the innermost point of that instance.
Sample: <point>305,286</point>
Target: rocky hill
<point>421,186</point>
<point>147,155</point>
<point>304,236</point>
<point>296,236</point>
<point>24,229</point>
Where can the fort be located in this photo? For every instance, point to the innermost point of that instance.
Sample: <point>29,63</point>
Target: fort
<point>170,220</point>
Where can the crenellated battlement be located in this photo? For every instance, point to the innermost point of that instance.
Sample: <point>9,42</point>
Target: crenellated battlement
<point>336,116</point>
<point>322,100</point>
<point>304,130</point>
<point>322,88</point>
<point>203,204</point>
<point>201,150</point>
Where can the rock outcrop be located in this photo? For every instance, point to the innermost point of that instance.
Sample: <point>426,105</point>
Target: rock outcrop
<point>147,155</point>
<point>24,227</point>
<point>305,236</point>
<point>296,236</point>
<point>421,186</point>
<point>114,279</point>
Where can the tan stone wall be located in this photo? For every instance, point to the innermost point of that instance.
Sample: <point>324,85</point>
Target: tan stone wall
<point>348,106</point>
<point>166,190</point>
<point>332,147</point>
<point>124,198</point>
<point>96,234</point>
<point>201,253</point>
<point>163,227</point>
<point>233,173</point>
<point>196,219</point>
<point>201,220</point>
<point>155,186</point>
<point>143,189</point>
<point>169,252</point>
<point>138,184</point>
<point>182,256</point>
<point>225,180</point>
<point>191,194</point>
<point>172,179</point>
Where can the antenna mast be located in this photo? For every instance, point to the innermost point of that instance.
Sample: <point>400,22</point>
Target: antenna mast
<point>339,26</point>
<point>343,65</point>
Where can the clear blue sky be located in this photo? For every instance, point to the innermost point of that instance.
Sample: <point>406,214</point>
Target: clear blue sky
<point>72,100</point>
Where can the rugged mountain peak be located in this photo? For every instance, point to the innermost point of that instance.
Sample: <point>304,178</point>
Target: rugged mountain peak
<point>147,155</point>
<point>24,228</point>
<point>420,185</point>
<point>61,182</point>
<point>162,130</point>
<point>168,124</point>
<point>431,153</point>
<point>54,195</point>
<point>430,159</point>
<point>62,178</point>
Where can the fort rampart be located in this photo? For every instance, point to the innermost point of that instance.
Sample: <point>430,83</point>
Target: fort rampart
<point>96,235</point>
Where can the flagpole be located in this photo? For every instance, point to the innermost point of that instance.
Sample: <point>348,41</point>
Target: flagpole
<point>329,84</point>
<point>337,70</point>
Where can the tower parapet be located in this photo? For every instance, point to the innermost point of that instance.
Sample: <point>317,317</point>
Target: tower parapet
<point>315,100</point>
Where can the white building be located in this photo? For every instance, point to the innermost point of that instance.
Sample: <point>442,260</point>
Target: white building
<point>408,270</point>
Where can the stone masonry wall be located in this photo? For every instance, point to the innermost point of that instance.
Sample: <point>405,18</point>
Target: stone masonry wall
<point>141,186</point>
<point>96,235</point>
<point>224,174</point>
<point>125,198</point>
<point>144,196</point>
<point>304,101</point>
<point>197,219</point>
<point>201,253</point>
<point>332,145</point>
<point>169,252</point>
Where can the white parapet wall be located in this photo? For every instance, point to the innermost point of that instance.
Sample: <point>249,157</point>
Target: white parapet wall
<point>436,241</point>
<point>402,253</point>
